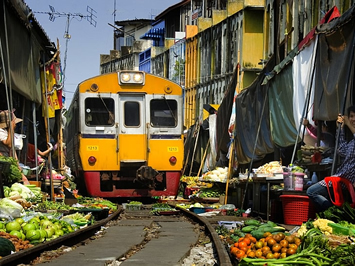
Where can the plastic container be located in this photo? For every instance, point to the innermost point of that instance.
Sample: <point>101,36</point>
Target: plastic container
<point>229,224</point>
<point>297,209</point>
<point>298,179</point>
<point>288,182</point>
<point>314,178</point>
<point>133,207</point>
<point>198,210</point>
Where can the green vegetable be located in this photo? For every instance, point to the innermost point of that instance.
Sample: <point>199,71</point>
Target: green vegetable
<point>252,222</point>
<point>6,246</point>
<point>258,234</point>
<point>6,203</point>
<point>249,228</point>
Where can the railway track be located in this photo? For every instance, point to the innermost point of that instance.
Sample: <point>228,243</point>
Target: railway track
<point>128,238</point>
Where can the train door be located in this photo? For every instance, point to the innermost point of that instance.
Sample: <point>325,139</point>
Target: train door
<point>132,131</point>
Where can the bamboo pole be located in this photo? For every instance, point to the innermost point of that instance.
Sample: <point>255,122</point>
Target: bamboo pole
<point>193,153</point>
<point>204,157</point>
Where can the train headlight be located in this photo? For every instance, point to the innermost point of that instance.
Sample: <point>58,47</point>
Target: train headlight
<point>131,78</point>
<point>92,160</point>
<point>172,160</point>
<point>138,77</point>
<point>125,77</point>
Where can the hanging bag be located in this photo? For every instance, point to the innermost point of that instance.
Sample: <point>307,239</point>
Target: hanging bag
<point>18,139</point>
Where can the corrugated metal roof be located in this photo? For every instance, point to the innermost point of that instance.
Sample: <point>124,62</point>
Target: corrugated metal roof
<point>25,14</point>
<point>166,11</point>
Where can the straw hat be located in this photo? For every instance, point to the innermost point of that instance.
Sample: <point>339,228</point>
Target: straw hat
<point>4,119</point>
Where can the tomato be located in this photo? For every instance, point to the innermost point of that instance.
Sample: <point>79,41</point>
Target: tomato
<point>265,250</point>
<point>276,247</point>
<point>277,255</point>
<point>251,254</point>
<point>283,255</point>
<point>290,239</point>
<point>281,235</point>
<point>292,246</point>
<point>271,242</point>
<point>242,244</point>
<point>258,253</point>
<point>259,244</point>
<point>247,240</point>
<point>252,239</point>
<point>240,254</point>
<point>284,243</point>
<point>236,244</point>
<point>283,250</point>
<point>270,255</point>
<point>267,234</point>
<point>291,251</point>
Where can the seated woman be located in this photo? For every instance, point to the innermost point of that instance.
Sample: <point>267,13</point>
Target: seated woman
<point>318,192</point>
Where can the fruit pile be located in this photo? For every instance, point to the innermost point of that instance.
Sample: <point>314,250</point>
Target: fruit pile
<point>271,246</point>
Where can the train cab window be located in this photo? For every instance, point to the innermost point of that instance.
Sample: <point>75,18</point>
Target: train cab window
<point>131,114</point>
<point>163,113</point>
<point>99,112</point>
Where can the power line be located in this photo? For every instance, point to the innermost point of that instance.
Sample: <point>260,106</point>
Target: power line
<point>53,14</point>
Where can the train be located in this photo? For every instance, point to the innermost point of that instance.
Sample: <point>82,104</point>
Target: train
<point>124,135</point>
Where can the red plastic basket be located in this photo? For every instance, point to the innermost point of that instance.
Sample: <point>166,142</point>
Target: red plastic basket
<point>297,209</point>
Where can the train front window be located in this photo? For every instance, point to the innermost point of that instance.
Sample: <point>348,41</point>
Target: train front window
<point>131,114</point>
<point>163,113</point>
<point>99,111</point>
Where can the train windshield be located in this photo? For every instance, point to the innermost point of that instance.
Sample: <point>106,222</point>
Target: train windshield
<point>99,111</point>
<point>163,113</point>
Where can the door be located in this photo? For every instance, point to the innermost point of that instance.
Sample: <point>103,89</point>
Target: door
<point>132,131</point>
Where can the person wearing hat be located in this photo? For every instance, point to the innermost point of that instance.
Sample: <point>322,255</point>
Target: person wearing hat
<point>5,136</point>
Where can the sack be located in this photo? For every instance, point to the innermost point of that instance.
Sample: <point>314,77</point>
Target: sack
<point>18,139</point>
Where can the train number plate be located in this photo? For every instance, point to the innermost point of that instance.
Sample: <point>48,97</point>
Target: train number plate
<point>173,149</point>
<point>92,148</point>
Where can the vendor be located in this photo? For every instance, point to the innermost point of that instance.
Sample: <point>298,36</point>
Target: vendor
<point>6,138</point>
<point>327,139</point>
<point>318,193</point>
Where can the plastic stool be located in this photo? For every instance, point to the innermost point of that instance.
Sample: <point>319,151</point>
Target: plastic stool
<point>337,189</point>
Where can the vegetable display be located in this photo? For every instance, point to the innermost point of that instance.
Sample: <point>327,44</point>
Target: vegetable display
<point>318,242</point>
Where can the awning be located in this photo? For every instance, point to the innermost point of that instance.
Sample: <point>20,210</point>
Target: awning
<point>154,33</point>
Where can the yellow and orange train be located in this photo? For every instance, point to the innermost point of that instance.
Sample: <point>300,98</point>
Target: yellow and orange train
<point>124,135</point>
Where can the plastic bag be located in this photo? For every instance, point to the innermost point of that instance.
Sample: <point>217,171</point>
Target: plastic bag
<point>18,139</point>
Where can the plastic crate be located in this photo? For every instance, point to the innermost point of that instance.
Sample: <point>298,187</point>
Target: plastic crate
<point>297,209</point>
<point>133,207</point>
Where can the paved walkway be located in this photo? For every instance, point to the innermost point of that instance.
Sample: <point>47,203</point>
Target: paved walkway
<point>174,241</point>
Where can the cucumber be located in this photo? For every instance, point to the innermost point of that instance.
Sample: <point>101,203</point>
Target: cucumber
<point>249,228</point>
<point>252,222</point>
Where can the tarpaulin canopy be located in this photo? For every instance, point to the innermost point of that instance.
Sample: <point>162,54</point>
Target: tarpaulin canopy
<point>335,66</point>
<point>23,57</point>
<point>252,110</point>
<point>283,129</point>
<point>224,114</point>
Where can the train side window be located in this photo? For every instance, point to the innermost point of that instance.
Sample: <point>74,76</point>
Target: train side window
<point>131,114</point>
<point>163,113</point>
<point>99,112</point>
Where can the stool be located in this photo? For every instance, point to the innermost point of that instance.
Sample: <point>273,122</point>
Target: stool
<point>337,189</point>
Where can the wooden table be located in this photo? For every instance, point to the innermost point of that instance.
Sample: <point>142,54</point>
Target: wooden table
<point>257,181</point>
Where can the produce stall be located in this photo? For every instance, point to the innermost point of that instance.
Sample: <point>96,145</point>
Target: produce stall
<point>27,218</point>
<point>327,240</point>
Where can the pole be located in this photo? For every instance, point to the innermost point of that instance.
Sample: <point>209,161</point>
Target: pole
<point>204,157</point>
<point>46,124</point>
<point>193,153</point>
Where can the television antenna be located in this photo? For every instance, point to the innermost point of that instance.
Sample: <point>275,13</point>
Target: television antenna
<point>53,14</point>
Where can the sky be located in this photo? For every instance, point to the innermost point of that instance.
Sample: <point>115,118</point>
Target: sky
<point>82,51</point>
